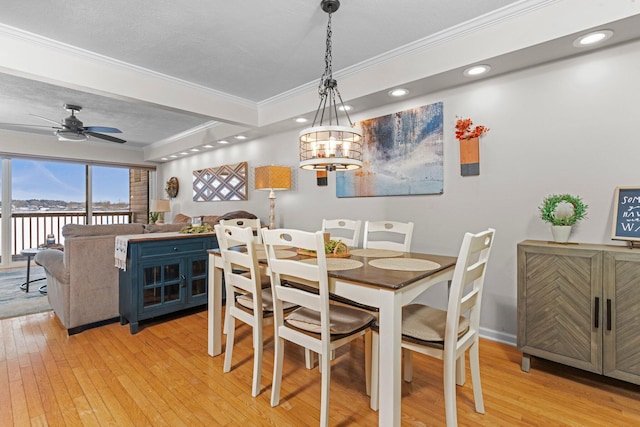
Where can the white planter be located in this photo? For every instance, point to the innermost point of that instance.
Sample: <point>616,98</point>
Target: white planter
<point>561,233</point>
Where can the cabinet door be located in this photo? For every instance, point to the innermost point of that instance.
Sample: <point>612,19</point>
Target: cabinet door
<point>163,282</point>
<point>198,279</point>
<point>622,315</point>
<point>559,303</point>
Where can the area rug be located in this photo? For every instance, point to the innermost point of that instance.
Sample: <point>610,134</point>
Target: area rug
<point>15,302</point>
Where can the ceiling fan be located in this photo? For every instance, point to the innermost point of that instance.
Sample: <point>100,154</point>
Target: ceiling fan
<point>72,129</point>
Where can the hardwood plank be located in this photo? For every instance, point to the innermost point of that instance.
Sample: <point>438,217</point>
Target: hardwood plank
<point>163,376</point>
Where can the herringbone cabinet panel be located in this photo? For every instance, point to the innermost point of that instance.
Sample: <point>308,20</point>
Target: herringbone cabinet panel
<point>557,294</point>
<point>579,304</point>
<point>622,340</point>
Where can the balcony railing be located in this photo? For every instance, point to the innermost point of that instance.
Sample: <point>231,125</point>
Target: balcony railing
<point>30,229</point>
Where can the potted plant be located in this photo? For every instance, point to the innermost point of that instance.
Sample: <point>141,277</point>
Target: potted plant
<point>562,211</point>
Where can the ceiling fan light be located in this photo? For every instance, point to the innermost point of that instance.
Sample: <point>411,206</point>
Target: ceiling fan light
<point>70,136</point>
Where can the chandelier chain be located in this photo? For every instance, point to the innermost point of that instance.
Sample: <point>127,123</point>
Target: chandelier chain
<point>327,76</point>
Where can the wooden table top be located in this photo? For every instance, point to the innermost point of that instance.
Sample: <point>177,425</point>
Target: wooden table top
<point>370,275</point>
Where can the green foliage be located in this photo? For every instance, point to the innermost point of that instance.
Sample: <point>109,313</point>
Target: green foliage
<point>153,217</point>
<point>197,229</point>
<point>550,204</point>
<point>330,246</point>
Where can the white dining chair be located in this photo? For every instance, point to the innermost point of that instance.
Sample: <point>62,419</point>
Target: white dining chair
<point>252,223</point>
<point>347,230</point>
<point>248,293</point>
<point>317,325</point>
<point>392,235</point>
<point>447,335</point>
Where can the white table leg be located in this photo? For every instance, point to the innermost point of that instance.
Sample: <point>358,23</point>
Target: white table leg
<point>214,308</point>
<point>390,358</point>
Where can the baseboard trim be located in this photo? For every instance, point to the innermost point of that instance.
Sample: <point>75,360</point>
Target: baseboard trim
<point>502,337</point>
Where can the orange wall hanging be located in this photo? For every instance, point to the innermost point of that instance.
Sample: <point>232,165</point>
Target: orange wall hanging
<point>469,146</point>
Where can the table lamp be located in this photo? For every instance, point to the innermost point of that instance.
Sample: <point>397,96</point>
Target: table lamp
<point>272,178</point>
<point>159,206</point>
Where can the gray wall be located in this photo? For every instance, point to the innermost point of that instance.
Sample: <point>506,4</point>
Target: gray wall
<point>568,127</point>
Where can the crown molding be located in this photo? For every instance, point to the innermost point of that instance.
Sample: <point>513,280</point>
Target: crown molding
<point>102,60</point>
<point>478,23</point>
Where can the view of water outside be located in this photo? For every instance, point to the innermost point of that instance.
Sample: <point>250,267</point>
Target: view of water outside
<point>47,195</point>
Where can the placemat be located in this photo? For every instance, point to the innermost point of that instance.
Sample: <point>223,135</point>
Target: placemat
<point>261,254</point>
<point>336,264</point>
<point>379,253</point>
<point>404,264</point>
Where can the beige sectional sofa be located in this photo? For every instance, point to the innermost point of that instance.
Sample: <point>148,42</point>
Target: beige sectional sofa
<point>82,281</point>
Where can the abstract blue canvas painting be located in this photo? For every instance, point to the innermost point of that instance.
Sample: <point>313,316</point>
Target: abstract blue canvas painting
<point>402,155</point>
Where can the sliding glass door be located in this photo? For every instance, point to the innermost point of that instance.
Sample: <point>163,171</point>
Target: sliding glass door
<point>39,197</point>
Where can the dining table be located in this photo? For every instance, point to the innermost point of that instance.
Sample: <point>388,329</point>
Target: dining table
<point>382,279</point>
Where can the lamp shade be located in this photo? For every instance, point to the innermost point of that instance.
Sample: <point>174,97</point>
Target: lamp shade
<point>159,205</point>
<point>273,178</point>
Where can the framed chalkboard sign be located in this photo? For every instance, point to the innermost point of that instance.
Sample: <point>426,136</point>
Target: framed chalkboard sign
<point>626,214</point>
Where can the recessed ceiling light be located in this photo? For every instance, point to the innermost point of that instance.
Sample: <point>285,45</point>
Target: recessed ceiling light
<point>399,92</point>
<point>173,156</point>
<point>240,137</point>
<point>593,38</point>
<point>184,153</point>
<point>345,107</point>
<point>164,158</point>
<point>208,146</point>
<point>195,150</point>
<point>223,142</point>
<point>301,120</point>
<point>476,70</point>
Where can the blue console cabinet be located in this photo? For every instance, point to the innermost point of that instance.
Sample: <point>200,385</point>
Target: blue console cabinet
<point>164,274</point>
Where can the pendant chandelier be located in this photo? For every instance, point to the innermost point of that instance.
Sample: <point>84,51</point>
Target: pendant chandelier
<point>328,145</point>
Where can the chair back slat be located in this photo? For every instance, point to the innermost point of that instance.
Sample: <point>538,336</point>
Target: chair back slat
<point>349,230</point>
<point>469,273</point>
<point>400,231</point>
<point>236,261</point>
<point>306,273</point>
<point>253,224</point>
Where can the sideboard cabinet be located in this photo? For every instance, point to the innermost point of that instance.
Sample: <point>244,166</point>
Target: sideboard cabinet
<point>579,304</point>
<point>164,275</point>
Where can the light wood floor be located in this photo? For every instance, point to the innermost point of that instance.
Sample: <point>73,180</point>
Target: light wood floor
<point>163,376</point>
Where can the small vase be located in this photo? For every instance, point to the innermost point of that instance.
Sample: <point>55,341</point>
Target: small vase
<point>469,157</point>
<point>561,233</point>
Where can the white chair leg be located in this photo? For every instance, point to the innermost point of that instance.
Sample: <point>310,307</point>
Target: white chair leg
<point>460,371</point>
<point>228,351</point>
<point>408,364</point>
<point>325,366</point>
<point>474,362</point>
<point>375,366</point>
<point>278,359</point>
<point>450,391</point>
<point>367,362</point>
<point>310,359</point>
<point>257,359</point>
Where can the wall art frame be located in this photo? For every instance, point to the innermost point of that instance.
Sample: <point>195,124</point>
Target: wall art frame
<point>221,183</point>
<point>402,155</point>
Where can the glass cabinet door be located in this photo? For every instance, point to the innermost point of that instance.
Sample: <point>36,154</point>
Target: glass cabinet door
<point>198,277</point>
<point>161,284</point>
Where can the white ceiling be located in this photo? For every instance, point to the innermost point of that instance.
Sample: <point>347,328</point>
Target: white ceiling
<point>177,74</point>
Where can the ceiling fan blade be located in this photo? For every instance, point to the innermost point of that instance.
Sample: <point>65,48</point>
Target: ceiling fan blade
<point>44,118</point>
<point>28,126</point>
<point>102,129</point>
<point>106,137</point>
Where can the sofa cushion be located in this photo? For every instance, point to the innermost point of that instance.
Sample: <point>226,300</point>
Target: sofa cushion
<point>182,218</point>
<point>211,219</point>
<point>53,261</point>
<point>79,230</point>
<point>163,228</point>
<point>237,214</point>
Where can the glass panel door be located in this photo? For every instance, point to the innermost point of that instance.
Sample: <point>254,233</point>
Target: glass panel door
<point>45,197</point>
